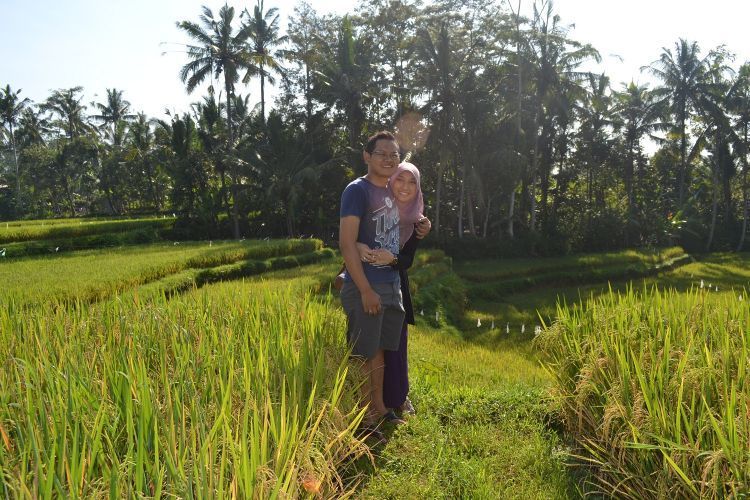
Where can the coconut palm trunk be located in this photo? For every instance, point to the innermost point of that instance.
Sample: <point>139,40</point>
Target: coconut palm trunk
<point>714,206</point>
<point>438,194</point>
<point>15,162</point>
<point>745,201</point>
<point>233,163</point>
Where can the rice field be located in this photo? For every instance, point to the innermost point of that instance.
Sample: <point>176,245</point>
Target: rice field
<point>66,228</point>
<point>232,390</point>
<point>128,372</point>
<point>94,274</point>
<point>654,388</point>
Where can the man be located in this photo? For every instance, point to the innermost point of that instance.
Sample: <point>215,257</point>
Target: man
<point>371,295</point>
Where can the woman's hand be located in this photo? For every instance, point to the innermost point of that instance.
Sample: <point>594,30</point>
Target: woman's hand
<point>422,227</point>
<point>382,257</point>
<point>379,257</point>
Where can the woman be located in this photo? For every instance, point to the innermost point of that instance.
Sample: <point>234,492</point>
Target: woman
<point>405,185</point>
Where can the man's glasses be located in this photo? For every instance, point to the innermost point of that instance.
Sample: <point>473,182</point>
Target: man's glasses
<point>386,156</point>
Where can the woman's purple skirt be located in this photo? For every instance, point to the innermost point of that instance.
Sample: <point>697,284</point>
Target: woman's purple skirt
<point>396,374</point>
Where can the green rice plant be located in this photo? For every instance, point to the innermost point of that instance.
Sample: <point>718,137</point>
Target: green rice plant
<point>481,271</point>
<point>9,234</point>
<point>654,387</point>
<point>63,221</point>
<point>102,240</point>
<point>230,391</point>
<point>97,274</point>
<point>496,290</point>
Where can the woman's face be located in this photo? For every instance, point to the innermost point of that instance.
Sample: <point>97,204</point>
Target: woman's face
<point>405,187</point>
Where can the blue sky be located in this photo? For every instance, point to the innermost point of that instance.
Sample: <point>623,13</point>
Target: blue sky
<point>134,45</point>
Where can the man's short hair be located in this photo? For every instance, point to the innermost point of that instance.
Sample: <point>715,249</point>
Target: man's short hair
<point>373,139</point>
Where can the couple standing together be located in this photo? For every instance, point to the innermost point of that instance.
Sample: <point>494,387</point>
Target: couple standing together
<point>381,223</point>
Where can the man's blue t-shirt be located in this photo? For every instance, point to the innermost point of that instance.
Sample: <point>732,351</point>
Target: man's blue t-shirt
<point>378,224</point>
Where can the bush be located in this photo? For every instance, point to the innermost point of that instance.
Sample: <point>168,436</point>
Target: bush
<point>435,287</point>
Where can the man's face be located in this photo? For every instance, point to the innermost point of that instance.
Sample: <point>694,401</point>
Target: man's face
<point>384,159</point>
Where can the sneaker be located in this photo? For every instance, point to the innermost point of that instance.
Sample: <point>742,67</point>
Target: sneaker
<point>371,432</point>
<point>408,408</point>
<point>391,418</point>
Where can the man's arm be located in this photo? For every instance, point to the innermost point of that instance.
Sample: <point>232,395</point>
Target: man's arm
<point>348,231</point>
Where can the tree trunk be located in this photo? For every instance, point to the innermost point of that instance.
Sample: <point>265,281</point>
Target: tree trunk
<point>152,184</point>
<point>745,200</point>
<point>534,167</point>
<point>683,161</point>
<point>290,220</point>
<point>532,206</point>
<point>461,203</point>
<point>308,97</point>
<point>714,208</point>
<point>629,176</point>
<point>69,196</point>
<point>262,94</point>
<point>486,217</point>
<point>18,174</point>
<point>511,211</point>
<point>233,166</point>
<point>470,212</point>
<point>438,191</point>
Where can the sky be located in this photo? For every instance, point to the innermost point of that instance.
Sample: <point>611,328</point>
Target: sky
<point>134,45</point>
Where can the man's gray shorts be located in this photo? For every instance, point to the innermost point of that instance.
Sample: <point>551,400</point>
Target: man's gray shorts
<point>366,333</point>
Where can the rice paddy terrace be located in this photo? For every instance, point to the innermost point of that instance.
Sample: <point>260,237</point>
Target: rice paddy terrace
<point>134,366</point>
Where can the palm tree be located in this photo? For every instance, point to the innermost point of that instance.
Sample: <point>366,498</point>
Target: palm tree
<point>114,112</point>
<point>32,127</point>
<point>738,102</point>
<point>595,118</point>
<point>11,108</point>
<point>437,75</point>
<point>637,114</point>
<point>342,82</point>
<point>555,77</point>
<point>66,104</point>
<point>683,74</point>
<point>713,107</point>
<point>292,167</point>
<point>220,50</point>
<point>142,144</point>
<point>264,36</point>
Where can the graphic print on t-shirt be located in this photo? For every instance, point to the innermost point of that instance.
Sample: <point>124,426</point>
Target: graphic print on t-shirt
<point>386,226</point>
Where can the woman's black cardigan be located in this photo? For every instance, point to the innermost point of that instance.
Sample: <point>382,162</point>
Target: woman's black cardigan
<point>405,260</point>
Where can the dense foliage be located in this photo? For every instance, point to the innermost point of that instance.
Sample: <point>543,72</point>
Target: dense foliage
<point>519,146</point>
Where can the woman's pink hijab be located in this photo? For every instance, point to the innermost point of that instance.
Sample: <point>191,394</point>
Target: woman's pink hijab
<point>409,213</point>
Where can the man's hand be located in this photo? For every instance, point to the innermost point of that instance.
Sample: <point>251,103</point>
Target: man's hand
<point>371,302</point>
<point>365,253</point>
<point>423,227</point>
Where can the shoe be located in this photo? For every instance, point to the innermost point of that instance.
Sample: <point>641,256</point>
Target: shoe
<point>371,431</point>
<point>390,417</point>
<point>408,408</point>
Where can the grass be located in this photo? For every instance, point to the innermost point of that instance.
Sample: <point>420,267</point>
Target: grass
<point>481,429</point>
